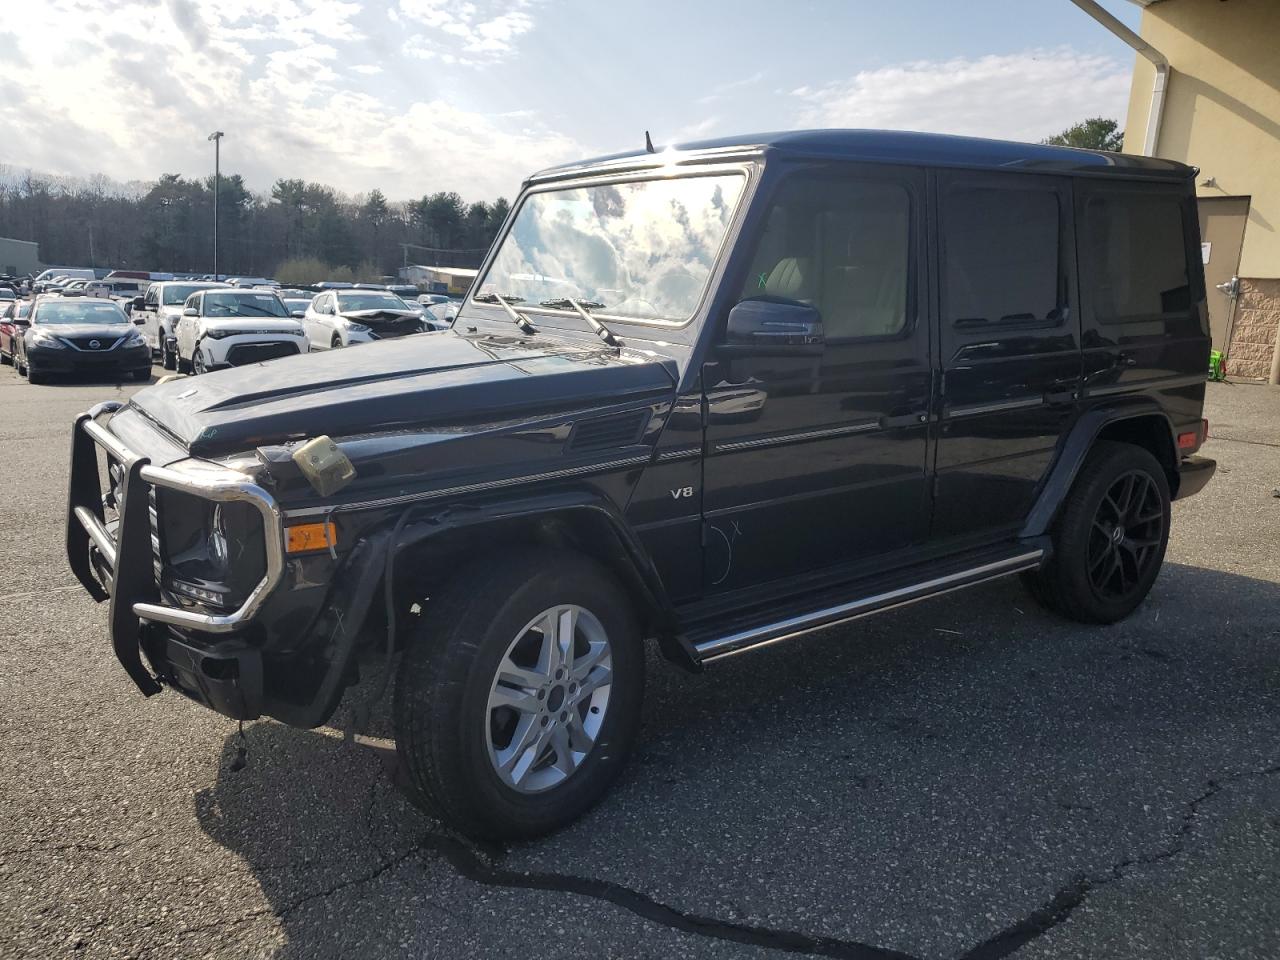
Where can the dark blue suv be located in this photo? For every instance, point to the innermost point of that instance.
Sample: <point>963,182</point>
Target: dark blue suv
<point>715,397</point>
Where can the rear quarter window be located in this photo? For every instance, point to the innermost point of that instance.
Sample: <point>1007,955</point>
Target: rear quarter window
<point>1135,246</point>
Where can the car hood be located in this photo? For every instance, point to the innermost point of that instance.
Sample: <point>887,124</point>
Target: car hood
<point>384,315</point>
<point>432,381</point>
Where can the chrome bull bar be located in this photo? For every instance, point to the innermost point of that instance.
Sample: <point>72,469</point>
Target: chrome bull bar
<point>128,552</point>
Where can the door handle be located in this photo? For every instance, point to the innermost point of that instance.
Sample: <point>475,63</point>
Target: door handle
<point>1058,398</point>
<point>904,420</point>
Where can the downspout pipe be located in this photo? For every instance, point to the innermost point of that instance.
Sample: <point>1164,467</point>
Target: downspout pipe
<point>1155,118</point>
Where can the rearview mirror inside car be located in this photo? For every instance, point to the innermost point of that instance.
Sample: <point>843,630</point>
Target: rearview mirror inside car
<point>773,328</point>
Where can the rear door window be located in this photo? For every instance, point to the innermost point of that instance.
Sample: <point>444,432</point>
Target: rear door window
<point>1002,256</point>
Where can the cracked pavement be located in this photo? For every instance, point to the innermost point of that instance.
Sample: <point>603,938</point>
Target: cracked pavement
<point>965,778</point>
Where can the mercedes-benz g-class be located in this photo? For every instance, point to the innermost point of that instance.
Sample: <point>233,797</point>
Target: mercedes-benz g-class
<point>716,396</point>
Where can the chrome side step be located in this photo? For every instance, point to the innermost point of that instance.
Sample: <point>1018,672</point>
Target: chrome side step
<point>726,646</point>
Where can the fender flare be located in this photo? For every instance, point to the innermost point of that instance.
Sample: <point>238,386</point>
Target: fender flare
<point>624,552</point>
<point>1073,450</point>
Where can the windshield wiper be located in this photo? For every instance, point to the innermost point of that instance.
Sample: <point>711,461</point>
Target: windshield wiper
<point>505,300</point>
<point>583,307</point>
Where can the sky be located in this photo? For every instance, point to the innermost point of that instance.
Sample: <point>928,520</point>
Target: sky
<point>415,96</point>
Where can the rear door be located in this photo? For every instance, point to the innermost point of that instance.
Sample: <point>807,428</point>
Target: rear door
<point>813,462</point>
<point>1010,348</point>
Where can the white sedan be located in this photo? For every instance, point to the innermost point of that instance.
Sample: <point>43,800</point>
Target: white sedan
<point>232,327</point>
<point>341,318</point>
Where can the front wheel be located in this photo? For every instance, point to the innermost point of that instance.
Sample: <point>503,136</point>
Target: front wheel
<point>335,343</point>
<point>198,363</point>
<point>518,703</point>
<point>167,359</point>
<point>1110,541</point>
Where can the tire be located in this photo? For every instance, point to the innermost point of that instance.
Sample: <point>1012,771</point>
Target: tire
<point>453,740</point>
<point>167,359</point>
<point>1110,539</point>
<point>183,366</point>
<point>335,343</point>
<point>7,358</point>
<point>33,377</point>
<point>197,362</point>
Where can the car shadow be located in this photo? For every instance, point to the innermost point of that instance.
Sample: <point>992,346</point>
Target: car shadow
<point>923,781</point>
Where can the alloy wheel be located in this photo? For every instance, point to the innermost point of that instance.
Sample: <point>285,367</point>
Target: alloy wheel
<point>1124,541</point>
<point>549,698</point>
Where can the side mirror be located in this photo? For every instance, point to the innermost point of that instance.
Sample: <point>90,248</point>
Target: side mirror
<point>138,303</point>
<point>22,322</point>
<point>297,314</point>
<point>190,312</point>
<point>773,328</point>
<point>139,321</point>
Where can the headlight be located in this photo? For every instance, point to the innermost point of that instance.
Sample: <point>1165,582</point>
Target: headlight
<point>356,327</point>
<point>216,334</point>
<point>217,548</point>
<point>133,339</point>
<point>42,339</point>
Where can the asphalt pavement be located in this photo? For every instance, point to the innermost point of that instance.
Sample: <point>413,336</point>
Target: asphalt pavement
<point>969,777</point>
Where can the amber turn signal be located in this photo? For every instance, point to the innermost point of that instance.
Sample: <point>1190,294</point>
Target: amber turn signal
<point>310,536</point>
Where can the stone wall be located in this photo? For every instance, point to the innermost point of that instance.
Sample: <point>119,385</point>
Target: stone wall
<point>1253,337</point>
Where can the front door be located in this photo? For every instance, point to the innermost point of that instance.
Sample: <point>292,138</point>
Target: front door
<point>1222,221</point>
<point>815,462</point>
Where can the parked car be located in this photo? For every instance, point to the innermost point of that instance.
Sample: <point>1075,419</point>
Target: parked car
<point>794,380</point>
<point>159,309</point>
<point>46,278</point>
<point>116,288</point>
<point>297,306</point>
<point>334,285</point>
<point>341,318</point>
<point>13,322</point>
<point>73,335</point>
<point>7,294</point>
<point>230,328</point>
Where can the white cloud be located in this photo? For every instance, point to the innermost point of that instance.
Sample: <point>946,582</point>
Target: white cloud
<point>1021,96</point>
<point>469,33</point>
<point>291,82</point>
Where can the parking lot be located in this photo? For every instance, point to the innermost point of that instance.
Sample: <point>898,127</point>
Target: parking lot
<point>965,778</point>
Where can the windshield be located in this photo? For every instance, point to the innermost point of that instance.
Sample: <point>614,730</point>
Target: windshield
<point>79,311</point>
<point>176,293</point>
<point>639,250</point>
<point>370,301</point>
<point>237,304</point>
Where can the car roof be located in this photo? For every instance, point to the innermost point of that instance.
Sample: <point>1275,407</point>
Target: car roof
<point>891,146</point>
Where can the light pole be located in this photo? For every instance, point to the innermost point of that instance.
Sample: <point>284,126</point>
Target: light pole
<point>216,137</point>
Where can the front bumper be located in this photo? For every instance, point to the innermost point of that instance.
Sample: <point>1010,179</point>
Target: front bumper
<point>238,351</point>
<point>118,561</point>
<point>70,360</point>
<point>1194,474</point>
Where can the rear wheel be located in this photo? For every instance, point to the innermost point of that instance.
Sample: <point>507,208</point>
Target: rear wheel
<point>184,366</point>
<point>518,703</point>
<point>6,357</point>
<point>167,359</point>
<point>1111,538</point>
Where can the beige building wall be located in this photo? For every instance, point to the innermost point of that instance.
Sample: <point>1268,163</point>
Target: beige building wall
<point>1222,114</point>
